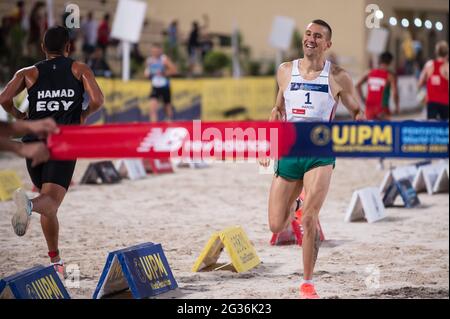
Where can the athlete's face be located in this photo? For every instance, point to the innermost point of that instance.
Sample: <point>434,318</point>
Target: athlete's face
<point>316,40</point>
<point>155,51</point>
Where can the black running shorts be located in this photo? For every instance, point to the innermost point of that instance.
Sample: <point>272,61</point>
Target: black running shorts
<point>56,172</point>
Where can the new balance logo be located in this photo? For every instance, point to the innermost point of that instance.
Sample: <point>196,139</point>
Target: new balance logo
<point>160,140</point>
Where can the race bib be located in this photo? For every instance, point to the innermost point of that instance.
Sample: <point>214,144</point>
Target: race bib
<point>159,81</point>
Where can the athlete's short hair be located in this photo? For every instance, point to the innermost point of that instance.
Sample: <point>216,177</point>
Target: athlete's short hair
<point>442,49</point>
<point>386,58</point>
<point>324,24</point>
<point>55,39</point>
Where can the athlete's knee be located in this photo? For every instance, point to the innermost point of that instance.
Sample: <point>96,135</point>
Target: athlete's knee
<point>51,208</point>
<point>50,205</point>
<point>311,209</point>
<point>276,226</point>
<point>51,212</point>
<point>309,223</point>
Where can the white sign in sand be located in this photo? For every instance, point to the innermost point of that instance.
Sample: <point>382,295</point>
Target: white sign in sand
<point>404,172</point>
<point>131,168</point>
<point>441,185</point>
<point>366,204</point>
<point>428,175</point>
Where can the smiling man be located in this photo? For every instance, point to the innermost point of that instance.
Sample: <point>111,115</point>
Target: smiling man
<point>309,90</point>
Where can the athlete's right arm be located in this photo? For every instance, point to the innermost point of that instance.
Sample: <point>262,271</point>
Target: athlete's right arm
<point>278,112</point>
<point>91,86</point>
<point>427,70</point>
<point>14,87</point>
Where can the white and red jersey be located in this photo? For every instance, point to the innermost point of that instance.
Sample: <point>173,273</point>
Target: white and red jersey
<point>437,85</point>
<point>309,100</point>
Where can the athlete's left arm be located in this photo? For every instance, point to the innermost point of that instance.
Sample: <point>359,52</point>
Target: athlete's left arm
<point>171,67</point>
<point>14,87</point>
<point>347,94</point>
<point>91,86</point>
<point>445,71</point>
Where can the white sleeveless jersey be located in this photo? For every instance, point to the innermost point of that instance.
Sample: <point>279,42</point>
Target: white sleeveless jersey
<point>309,100</point>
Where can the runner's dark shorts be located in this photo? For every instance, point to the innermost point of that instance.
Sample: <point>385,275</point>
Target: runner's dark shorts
<point>436,111</point>
<point>163,93</point>
<point>56,172</point>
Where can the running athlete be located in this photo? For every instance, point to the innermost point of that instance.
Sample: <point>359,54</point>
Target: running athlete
<point>309,90</point>
<point>380,82</point>
<point>435,76</point>
<point>55,89</point>
<point>158,68</point>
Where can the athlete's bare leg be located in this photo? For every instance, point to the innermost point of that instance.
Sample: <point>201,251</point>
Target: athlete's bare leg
<point>153,110</point>
<point>282,196</point>
<point>47,204</point>
<point>316,182</point>
<point>168,111</point>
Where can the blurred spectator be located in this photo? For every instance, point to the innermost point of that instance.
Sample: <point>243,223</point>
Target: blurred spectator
<point>19,15</point>
<point>408,53</point>
<point>98,63</point>
<point>16,35</point>
<point>38,26</point>
<point>206,45</point>
<point>172,34</point>
<point>172,40</point>
<point>89,32</point>
<point>103,33</point>
<point>194,45</point>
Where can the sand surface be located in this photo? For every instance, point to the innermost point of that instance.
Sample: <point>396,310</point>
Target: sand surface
<point>406,255</point>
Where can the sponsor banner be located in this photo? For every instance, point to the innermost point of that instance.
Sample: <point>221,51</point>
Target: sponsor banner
<point>372,139</point>
<point>221,140</point>
<point>196,140</point>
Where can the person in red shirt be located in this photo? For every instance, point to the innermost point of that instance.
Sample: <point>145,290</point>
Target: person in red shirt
<point>380,82</point>
<point>103,32</point>
<point>435,76</point>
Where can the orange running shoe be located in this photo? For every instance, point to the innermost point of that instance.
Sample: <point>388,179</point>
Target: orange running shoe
<point>307,291</point>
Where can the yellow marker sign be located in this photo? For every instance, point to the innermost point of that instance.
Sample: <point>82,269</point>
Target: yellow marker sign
<point>9,182</point>
<point>242,254</point>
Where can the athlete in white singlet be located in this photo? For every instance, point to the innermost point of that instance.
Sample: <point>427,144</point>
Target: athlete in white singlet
<point>309,90</point>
